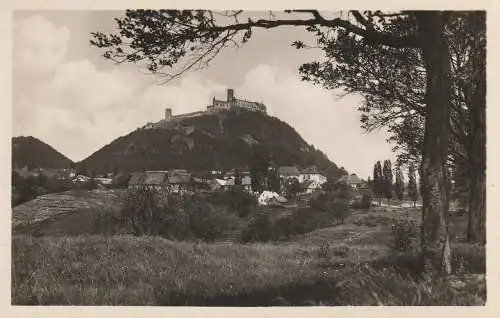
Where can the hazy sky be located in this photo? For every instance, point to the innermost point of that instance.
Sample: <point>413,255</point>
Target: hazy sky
<point>68,96</point>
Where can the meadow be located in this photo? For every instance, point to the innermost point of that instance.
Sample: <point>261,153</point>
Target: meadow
<point>353,263</point>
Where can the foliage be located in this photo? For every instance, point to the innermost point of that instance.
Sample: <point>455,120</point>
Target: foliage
<point>237,201</point>
<point>404,233</point>
<point>91,184</point>
<point>33,153</point>
<point>412,184</point>
<point>273,180</point>
<point>365,202</point>
<point>378,181</point>
<point>191,217</point>
<point>220,150</point>
<point>399,186</point>
<point>258,230</point>
<point>292,187</point>
<point>121,180</point>
<point>387,180</point>
<point>237,178</point>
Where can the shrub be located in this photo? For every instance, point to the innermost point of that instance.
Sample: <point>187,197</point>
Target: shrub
<point>238,201</point>
<point>324,250</point>
<point>258,230</point>
<point>365,202</point>
<point>323,201</point>
<point>404,233</point>
<point>206,221</point>
<point>91,184</point>
<point>340,210</point>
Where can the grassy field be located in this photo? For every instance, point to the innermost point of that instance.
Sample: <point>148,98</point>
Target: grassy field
<point>349,264</point>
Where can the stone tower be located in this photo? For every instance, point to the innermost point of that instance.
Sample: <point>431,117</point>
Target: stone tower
<point>168,114</point>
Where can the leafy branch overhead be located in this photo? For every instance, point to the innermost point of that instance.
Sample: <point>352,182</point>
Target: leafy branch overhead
<point>164,38</point>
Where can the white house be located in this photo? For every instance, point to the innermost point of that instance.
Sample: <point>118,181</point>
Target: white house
<point>312,174</point>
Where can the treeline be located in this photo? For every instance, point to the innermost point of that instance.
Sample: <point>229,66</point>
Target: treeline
<point>383,184</point>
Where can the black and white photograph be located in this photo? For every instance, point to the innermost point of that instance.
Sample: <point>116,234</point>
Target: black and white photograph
<point>244,158</point>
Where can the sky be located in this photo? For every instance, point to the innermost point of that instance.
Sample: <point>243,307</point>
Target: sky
<point>70,97</point>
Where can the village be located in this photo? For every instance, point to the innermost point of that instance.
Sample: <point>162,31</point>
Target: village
<point>293,181</point>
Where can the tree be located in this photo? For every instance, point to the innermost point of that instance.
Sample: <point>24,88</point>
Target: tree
<point>387,180</point>
<point>237,177</point>
<point>163,38</point>
<point>399,186</point>
<point>378,183</point>
<point>391,81</point>
<point>476,229</point>
<point>292,187</point>
<point>273,180</point>
<point>259,166</point>
<point>412,184</point>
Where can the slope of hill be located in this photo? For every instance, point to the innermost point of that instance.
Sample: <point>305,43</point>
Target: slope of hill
<point>210,141</point>
<point>34,153</point>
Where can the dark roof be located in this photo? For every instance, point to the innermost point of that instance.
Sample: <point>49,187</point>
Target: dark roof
<point>137,178</point>
<point>179,177</point>
<point>310,170</point>
<point>288,171</point>
<point>155,177</point>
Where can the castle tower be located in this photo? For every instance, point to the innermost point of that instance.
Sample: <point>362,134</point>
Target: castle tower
<point>230,95</point>
<point>168,114</point>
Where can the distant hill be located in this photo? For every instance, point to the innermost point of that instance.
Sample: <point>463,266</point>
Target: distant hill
<point>209,141</point>
<point>33,153</point>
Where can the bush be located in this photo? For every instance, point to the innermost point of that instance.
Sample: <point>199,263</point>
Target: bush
<point>340,210</point>
<point>148,212</point>
<point>404,233</point>
<point>365,202</point>
<point>323,201</point>
<point>92,184</point>
<point>238,201</point>
<point>258,230</point>
<point>208,222</point>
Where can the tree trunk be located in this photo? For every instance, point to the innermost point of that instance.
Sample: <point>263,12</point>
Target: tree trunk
<point>435,54</point>
<point>476,228</point>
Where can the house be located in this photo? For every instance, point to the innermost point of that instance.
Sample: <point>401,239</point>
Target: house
<point>104,181</point>
<point>267,198</point>
<point>155,180</point>
<point>312,174</point>
<point>288,172</point>
<point>59,174</point>
<point>310,186</point>
<point>80,179</point>
<point>201,184</point>
<point>225,184</point>
<point>246,183</point>
<point>351,180</point>
<point>179,181</point>
<point>136,180</point>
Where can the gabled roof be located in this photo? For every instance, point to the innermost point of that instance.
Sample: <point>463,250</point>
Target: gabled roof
<point>350,179</point>
<point>310,170</point>
<point>155,177</point>
<point>137,178</point>
<point>288,171</point>
<point>179,177</point>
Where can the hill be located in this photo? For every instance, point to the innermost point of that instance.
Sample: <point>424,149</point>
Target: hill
<point>209,141</point>
<point>34,153</point>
